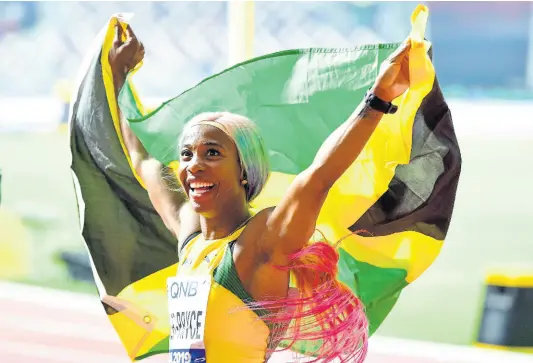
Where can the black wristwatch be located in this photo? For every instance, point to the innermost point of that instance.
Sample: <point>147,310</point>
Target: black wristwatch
<point>378,104</point>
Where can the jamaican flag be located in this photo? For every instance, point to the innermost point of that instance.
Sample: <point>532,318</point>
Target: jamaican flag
<point>400,190</point>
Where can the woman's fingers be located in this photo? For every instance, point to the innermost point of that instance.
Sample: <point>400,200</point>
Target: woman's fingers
<point>129,32</point>
<point>400,52</point>
<point>118,33</point>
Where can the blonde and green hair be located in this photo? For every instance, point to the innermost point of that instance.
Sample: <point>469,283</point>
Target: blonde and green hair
<point>251,148</point>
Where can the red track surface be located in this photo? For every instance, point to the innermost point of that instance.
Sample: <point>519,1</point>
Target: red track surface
<point>35,329</point>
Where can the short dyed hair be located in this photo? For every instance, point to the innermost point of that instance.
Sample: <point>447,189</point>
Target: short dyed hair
<point>251,148</point>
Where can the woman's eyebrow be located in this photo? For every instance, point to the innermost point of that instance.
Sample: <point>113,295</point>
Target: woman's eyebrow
<point>212,143</point>
<point>207,143</point>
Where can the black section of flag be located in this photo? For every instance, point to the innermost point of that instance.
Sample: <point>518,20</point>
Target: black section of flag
<point>126,238</point>
<point>422,193</point>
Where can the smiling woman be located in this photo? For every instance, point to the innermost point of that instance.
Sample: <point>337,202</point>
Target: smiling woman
<point>234,144</point>
<point>251,190</point>
<point>222,167</point>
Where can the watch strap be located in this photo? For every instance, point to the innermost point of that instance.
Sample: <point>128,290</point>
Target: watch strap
<point>379,105</point>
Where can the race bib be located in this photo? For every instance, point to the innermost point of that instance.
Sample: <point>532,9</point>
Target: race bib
<point>187,303</point>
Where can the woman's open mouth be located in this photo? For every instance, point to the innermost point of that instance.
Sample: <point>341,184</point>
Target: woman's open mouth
<point>198,189</point>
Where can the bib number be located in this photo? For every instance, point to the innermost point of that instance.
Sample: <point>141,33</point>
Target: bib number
<point>187,303</point>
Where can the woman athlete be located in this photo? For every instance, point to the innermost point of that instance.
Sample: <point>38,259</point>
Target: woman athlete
<point>222,168</point>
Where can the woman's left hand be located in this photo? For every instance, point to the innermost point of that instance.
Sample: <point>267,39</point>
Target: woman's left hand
<point>393,79</point>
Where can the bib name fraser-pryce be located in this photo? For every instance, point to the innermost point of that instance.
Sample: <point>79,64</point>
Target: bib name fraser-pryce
<point>185,324</point>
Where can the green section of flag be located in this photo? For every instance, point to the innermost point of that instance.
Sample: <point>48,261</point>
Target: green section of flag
<point>378,288</point>
<point>297,98</point>
<point>160,348</point>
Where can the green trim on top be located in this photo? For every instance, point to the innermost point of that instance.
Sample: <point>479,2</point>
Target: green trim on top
<point>226,275</point>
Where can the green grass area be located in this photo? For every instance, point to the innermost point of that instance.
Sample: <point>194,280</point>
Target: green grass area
<point>490,227</point>
<point>36,185</point>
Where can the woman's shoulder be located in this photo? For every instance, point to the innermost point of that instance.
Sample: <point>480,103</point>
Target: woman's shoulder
<point>255,227</point>
<point>260,218</point>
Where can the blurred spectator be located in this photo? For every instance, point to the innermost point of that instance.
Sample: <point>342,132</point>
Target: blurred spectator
<point>485,50</point>
<point>17,16</point>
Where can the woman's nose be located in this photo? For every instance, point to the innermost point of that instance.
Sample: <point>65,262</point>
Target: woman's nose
<point>195,165</point>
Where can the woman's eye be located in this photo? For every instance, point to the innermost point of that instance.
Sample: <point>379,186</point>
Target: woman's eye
<point>213,152</point>
<point>186,154</point>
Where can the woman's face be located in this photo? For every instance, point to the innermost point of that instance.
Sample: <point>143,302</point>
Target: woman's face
<point>209,170</point>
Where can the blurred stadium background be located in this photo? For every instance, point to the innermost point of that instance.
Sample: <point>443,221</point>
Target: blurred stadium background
<point>483,54</point>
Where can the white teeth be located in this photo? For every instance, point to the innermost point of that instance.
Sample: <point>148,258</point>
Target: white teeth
<point>199,191</point>
<point>201,185</point>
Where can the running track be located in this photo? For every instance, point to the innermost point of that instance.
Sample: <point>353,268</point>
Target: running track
<point>39,325</point>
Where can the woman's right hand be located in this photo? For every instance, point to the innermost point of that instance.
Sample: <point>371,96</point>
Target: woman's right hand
<point>125,55</point>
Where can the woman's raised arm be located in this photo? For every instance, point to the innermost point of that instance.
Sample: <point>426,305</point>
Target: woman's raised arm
<point>169,203</point>
<point>293,221</point>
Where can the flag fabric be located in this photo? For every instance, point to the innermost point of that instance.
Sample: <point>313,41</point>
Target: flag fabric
<point>388,214</point>
<point>125,238</point>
